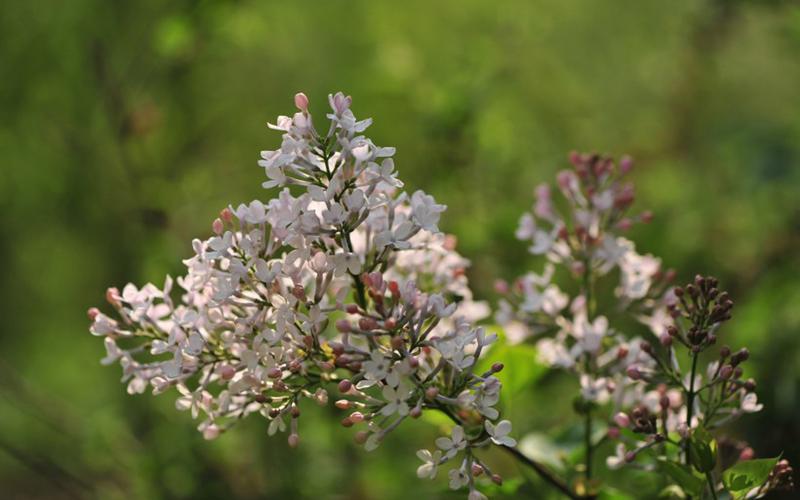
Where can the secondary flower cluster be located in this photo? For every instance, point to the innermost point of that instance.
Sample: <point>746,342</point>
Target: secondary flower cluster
<point>581,238</point>
<point>345,281</point>
<point>654,403</point>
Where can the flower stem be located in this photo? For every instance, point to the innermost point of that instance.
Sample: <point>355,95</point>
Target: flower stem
<point>543,472</point>
<point>711,485</point>
<point>690,404</point>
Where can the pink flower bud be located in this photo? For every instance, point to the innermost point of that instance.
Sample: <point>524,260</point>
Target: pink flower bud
<point>625,164</point>
<point>726,372</point>
<point>217,226</point>
<point>431,393</point>
<point>351,309</point>
<point>415,412</point>
<point>646,217</point>
<point>301,101</point>
<point>613,432</point>
<point>347,422</point>
<point>747,454</point>
<point>293,440</point>
<point>361,437</point>
<point>112,296</point>
<point>477,470</point>
<point>275,373</point>
<point>92,313</point>
<point>357,417</point>
<point>501,286</point>
<point>345,386</point>
<point>497,367</point>
<point>343,326</point>
<point>622,419</point>
<point>342,404</point>
<point>634,373</point>
<point>497,479</point>
<point>665,339</point>
<point>226,214</point>
<point>227,372</point>
<point>630,456</point>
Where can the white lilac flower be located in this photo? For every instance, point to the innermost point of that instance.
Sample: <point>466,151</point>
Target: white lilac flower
<point>346,276</point>
<point>500,433</point>
<point>453,444</point>
<point>430,465</point>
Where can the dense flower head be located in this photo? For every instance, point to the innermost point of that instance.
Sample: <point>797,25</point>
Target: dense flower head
<point>342,282</point>
<point>659,399</point>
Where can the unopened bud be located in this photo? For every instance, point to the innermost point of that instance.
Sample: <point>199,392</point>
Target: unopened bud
<point>226,214</point>
<point>345,386</point>
<point>351,308</point>
<point>361,437</point>
<point>346,422</point>
<point>726,372</point>
<point>92,313</point>
<point>227,372</point>
<point>217,226</point>
<point>501,287</point>
<point>497,479</point>
<point>431,393</point>
<point>275,373</point>
<point>398,343</point>
<point>357,417</point>
<point>497,367</point>
<point>301,101</point>
<point>295,411</point>
<point>477,470</point>
<point>634,373</point>
<point>415,412</point>
<point>342,404</point>
<point>630,456</point>
<point>622,419</point>
<point>343,326</point>
<point>293,440</point>
<point>665,339</point>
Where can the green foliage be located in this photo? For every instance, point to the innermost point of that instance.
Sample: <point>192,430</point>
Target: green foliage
<point>688,480</point>
<point>703,450</point>
<point>746,475</point>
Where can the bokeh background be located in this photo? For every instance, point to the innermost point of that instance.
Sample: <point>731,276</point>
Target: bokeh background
<point>126,126</point>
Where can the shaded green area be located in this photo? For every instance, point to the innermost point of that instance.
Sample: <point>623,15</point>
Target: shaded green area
<point>126,126</point>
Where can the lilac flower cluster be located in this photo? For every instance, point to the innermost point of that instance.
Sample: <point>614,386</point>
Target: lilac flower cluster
<point>654,409</point>
<point>343,281</point>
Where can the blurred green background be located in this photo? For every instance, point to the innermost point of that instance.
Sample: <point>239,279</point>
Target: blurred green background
<point>126,126</point>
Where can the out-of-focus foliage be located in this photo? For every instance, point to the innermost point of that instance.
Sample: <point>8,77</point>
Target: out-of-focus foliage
<point>126,126</point>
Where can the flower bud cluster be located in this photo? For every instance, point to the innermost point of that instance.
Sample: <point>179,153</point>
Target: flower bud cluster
<point>341,283</point>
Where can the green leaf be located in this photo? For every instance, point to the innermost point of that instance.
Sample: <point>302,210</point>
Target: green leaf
<point>746,475</point>
<point>684,476</point>
<point>703,450</point>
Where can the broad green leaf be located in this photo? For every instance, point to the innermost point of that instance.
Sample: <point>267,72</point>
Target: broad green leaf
<point>746,475</point>
<point>684,476</point>
<point>703,450</point>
